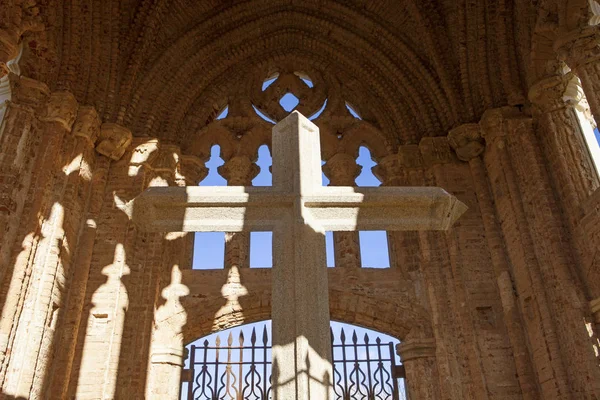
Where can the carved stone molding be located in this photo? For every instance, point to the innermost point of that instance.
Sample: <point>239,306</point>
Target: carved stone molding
<point>239,171</point>
<point>556,92</point>
<point>87,124</point>
<point>579,47</point>
<point>388,170</point>
<point>342,170</point>
<point>416,348</point>
<point>191,171</point>
<point>436,150</point>
<point>168,355</point>
<point>28,91</point>
<point>61,108</point>
<point>494,121</point>
<point>466,140</point>
<point>113,140</point>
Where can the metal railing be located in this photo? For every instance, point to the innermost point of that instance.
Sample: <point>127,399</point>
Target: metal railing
<point>363,369</point>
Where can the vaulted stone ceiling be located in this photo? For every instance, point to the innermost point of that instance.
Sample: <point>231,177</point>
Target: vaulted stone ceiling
<point>412,68</point>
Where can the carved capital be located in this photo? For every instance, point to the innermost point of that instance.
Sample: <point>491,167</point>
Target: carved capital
<point>436,150</point>
<point>28,91</point>
<point>191,171</point>
<point>239,171</point>
<point>595,308</point>
<point>389,170</point>
<point>61,108</point>
<point>556,92</point>
<point>113,140</point>
<point>87,124</point>
<point>493,123</point>
<point>342,170</point>
<point>416,348</point>
<point>466,140</point>
<point>579,47</point>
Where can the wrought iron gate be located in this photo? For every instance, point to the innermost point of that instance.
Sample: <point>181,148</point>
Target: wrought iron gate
<point>364,368</point>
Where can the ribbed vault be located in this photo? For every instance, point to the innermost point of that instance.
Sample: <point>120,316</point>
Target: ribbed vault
<point>162,67</point>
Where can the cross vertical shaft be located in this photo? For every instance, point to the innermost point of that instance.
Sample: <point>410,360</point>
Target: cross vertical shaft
<point>302,366</point>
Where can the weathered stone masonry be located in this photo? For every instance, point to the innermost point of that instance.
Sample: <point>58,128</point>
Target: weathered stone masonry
<point>105,99</point>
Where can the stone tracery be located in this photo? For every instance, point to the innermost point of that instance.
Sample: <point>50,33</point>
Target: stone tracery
<point>128,94</point>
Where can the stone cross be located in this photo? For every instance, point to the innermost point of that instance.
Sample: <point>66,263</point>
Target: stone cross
<point>298,209</point>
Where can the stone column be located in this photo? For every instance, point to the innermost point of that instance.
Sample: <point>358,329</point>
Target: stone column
<point>418,358</point>
<point>572,168</point>
<point>580,49</point>
<point>342,170</point>
<point>238,171</point>
<point>402,246</point>
<point>47,260</point>
<point>169,316</point>
<point>167,348</point>
<point>466,140</point>
<point>19,147</point>
<point>542,257</point>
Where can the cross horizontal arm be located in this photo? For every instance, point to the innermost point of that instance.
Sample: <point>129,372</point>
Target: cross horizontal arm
<point>209,209</point>
<point>384,208</point>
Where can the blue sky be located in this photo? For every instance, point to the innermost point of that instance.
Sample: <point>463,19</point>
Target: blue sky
<point>209,247</point>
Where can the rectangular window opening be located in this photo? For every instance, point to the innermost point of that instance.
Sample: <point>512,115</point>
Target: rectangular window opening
<point>261,249</point>
<point>374,252</point>
<point>209,250</point>
<point>329,249</point>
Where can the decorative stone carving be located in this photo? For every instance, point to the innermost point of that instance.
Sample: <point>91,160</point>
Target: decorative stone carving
<point>191,171</point>
<point>389,170</point>
<point>87,124</point>
<point>555,92</point>
<point>16,18</point>
<point>113,140</point>
<point>239,171</point>
<point>61,108</point>
<point>493,122</point>
<point>28,91</point>
<point>342,170</point>
<point>416,348</point>
<point>436,150</point>
<point>579,47</point>
<point>466,141</point>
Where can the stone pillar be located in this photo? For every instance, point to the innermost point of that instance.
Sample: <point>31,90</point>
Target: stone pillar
<point>419,361</point>
<point>238,171</point>
<point>34,337</point>
<point>402,246</point>
<point>167,348</point>
<point>580,49</point>
<point>342,170</point>
<point>466,140</point>
<point>169,316</point>
<point>537,244</point>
